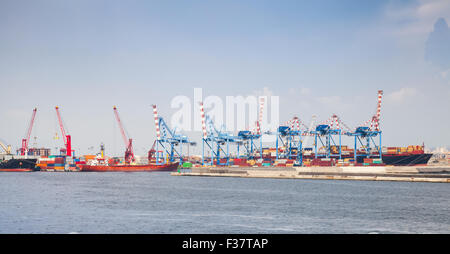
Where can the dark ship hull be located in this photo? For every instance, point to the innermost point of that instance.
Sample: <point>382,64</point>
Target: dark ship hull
<point>130,168</point>
<point>407,160</point>
<point>18,165</point>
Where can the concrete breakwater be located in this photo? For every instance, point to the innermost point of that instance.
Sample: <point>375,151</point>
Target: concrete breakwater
<point>410,174</point>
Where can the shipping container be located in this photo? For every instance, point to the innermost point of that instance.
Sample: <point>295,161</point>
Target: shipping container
<point>367,160</point>
<point>187,165</point>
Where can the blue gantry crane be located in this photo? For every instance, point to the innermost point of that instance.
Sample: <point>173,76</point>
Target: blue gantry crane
<point>252,140</point>
<point>364,139</point>
<point>171,141</point>
<point>249,141</point>
<point>289,141</point>
<point>366,134</point>
<point>215,141</point>
<point>324,135</point>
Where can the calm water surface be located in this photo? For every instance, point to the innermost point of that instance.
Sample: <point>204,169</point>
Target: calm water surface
<point>44,202</point>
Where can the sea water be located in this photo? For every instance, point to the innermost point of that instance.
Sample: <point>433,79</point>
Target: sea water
<point>156,202</point>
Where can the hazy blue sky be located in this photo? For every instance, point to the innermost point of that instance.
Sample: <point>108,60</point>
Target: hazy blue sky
<point>320,57</point>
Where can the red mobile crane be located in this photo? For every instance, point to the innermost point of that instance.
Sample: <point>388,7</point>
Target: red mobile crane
<point>67,139</point>
<point>24,149</point>
<point>129,154</point>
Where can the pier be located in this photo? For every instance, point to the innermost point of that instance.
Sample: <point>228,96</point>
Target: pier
<point>435,174</point>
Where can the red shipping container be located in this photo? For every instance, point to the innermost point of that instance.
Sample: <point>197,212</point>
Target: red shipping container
<point>368,160</point>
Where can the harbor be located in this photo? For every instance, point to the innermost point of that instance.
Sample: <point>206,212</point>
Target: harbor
<point>224,153</point>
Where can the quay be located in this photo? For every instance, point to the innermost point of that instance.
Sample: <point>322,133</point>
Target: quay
<point>435,174</point>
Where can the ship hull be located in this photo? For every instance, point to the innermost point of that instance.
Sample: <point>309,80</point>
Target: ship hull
<point>16,170</point>
<point>407,160</point>
<point>129,168</point>
<point>18,165</point>
<point>391,159</point>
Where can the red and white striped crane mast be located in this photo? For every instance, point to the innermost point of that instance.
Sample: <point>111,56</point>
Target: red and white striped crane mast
<point>24,149</point>
<point>129,154</point>
<point>378,114</point>
<point>67,138</point>
<point>366,133</point>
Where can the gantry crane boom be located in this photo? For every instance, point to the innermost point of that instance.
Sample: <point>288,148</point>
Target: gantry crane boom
<point>171,141</point>
<point>67,139</point>
<point>25,140</point>
<point>308,131</point>
<point>129,154</point>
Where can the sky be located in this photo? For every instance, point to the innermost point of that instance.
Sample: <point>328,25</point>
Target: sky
<point>319,57</point>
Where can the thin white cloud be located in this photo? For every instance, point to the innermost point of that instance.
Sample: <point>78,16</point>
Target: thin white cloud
<point>299,91</point>
<point>401,95</point>
<point>433,8</point>
<point>305,91</point>
<point>329,100</point>
<point>264,92</point>
<point>16,114</point>
<point>415,19</point>
<point>445,74</point>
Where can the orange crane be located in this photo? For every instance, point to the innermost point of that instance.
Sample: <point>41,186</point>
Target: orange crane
<point>24,148</point>
<point>129,154</point>
<point>67,139</point>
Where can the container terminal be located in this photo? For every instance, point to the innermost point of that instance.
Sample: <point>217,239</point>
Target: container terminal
<point>289,157</point>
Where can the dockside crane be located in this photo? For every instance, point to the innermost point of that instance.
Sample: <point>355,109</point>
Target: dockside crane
<point>249,138</point>
<point>26,139</point>
<point>66,137</point>
<point>214,141</point>
<point>308,130</point>
<point>289,138</point>
<point>168,139</point>
<point>129,154</point>
<point>324,135</point>
<point>366,133</point>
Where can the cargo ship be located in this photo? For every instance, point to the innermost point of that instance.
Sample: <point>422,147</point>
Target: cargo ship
<point>18,165</point>
<point>407,159</point>
<point>129,168</point>
<point>404,156</point>
<point>395,156</point>
<point>96,163</point>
